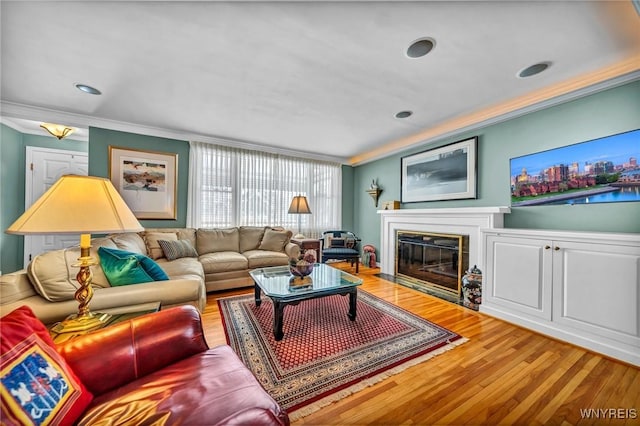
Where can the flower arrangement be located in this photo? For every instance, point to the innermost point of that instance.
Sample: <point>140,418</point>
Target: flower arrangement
<point>303,265</point>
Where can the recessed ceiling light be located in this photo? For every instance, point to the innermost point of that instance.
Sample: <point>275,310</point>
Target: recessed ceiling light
<point>404,114</point>
<point>88,89</point>
<point>420,47</point>
<point>534,69</point>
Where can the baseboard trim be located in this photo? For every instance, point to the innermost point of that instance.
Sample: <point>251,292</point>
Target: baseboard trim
<point>616,350</point>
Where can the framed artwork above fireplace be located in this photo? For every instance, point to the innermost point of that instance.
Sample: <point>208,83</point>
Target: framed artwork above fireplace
<point>444,173</point>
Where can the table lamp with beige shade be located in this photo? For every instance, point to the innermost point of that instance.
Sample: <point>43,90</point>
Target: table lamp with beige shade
<point>79,205</point>
<point>299,205</point>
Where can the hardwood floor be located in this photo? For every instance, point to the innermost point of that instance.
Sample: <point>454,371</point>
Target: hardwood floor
<point>504,374</point>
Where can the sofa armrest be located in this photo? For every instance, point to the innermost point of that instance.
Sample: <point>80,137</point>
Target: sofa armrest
<point>15,287</point>
<point>109,358</point>
<point>292,250</point>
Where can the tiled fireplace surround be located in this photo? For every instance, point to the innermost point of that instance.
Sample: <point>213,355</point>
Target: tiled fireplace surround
<point>462,221</point>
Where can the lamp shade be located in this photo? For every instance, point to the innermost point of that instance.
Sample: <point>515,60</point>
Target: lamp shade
<point>299,205</point>
<point>77,205</point>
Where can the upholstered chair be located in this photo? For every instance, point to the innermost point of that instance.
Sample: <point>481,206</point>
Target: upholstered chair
<point>340,245</point>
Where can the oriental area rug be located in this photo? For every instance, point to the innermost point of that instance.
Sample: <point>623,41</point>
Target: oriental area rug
<point>324,356</point>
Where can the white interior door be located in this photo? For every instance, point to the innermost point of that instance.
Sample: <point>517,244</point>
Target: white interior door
<point>44,166</point>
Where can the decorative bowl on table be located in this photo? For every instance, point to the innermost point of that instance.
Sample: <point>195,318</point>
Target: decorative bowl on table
<point>302,267</point>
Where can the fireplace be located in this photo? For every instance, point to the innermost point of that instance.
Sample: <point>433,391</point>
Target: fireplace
<point>434,260</point>
<point>464,221</point>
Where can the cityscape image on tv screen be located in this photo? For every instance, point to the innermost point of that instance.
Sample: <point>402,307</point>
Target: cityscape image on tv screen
<point>604,170</point>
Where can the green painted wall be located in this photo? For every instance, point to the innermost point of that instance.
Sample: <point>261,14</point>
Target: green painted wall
<point>12,181</point>
<point>605,113</point>
<point>101,139</point>
<point>11,198</point>
<point>347,197</point>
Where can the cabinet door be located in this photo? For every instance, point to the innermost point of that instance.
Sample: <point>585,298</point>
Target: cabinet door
<point>518,275</point>
<point>596,289</point>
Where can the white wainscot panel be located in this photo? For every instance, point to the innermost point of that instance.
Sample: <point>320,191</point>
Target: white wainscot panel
<point>517,278</point>
<point>600,289</point>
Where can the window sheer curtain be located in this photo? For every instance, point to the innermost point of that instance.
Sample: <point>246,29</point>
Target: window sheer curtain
<point>235,187</point>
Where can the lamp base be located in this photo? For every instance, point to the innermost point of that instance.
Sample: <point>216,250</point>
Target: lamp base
<point>75,323</point>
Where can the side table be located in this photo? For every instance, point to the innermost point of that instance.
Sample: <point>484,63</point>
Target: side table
<point>308,243</point>
<point>117,315</point>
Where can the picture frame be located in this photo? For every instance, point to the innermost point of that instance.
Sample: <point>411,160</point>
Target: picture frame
<point>445,173</point>
<point>146,180</point>
<point>602,170</point>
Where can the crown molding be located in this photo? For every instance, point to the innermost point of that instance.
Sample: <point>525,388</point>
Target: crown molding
<point>9,122</point>
<point>80,135</point>
<point>608,78</point>
<point>27,112</point>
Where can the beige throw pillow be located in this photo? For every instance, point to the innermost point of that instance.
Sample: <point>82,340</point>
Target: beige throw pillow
<point>54,277</point>
<point>274,240</point>
<point>154,250</point>
<point>250,237</point>
<point>130,241</point>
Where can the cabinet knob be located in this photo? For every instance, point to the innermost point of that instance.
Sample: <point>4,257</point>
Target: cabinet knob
<point>556,248</point>
<point>547,247</point>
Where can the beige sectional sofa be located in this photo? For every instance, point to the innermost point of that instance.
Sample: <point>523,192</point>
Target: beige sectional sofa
<point>228,254</point>
<point>224,259</point>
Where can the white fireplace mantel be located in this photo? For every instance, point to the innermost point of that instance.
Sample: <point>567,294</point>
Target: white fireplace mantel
<point>462,221</point>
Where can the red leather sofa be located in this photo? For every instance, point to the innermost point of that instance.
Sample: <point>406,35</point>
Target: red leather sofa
<point>158,369</point>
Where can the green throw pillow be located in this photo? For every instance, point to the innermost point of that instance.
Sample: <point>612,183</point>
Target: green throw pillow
<point>124,267</point>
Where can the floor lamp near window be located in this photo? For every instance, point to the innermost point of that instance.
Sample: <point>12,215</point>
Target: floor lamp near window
<point>299,205</point>
<point>79,205</point>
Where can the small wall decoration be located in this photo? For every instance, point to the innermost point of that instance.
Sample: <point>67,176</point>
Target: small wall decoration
<point>146,180</point>
<point>444,173</point>
<point>604,170</point>
<point>374,191</point>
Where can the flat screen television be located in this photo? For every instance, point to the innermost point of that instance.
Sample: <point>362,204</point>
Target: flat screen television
<point>604,170</point>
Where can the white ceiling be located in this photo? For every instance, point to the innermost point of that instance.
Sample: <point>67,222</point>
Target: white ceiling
<point>324,78</point>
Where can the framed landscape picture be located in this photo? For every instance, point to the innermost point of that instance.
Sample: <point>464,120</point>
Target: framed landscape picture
<point>146,180</point>
<point>604,170</point>
<point>445,173</point>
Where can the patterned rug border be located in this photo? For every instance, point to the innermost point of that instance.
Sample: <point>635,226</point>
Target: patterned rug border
<point>315,403</point>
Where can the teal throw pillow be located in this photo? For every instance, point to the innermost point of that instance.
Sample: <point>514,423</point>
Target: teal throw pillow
<point>124,267</point>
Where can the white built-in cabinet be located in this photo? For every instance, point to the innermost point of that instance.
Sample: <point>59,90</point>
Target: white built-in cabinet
<point>580,287</point>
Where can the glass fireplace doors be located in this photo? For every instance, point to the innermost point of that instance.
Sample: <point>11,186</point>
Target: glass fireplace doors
<point>433,259</point>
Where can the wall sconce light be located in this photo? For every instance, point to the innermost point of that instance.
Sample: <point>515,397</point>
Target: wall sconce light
<point>58,130</point>
<point>374,191</point>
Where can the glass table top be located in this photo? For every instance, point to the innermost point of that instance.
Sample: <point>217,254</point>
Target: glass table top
<point>274,281</point>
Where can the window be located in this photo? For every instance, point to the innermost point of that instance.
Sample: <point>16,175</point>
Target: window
<point>234,187</point>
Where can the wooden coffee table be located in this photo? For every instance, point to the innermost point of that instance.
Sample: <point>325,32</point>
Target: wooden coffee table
<point>325,281</point>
